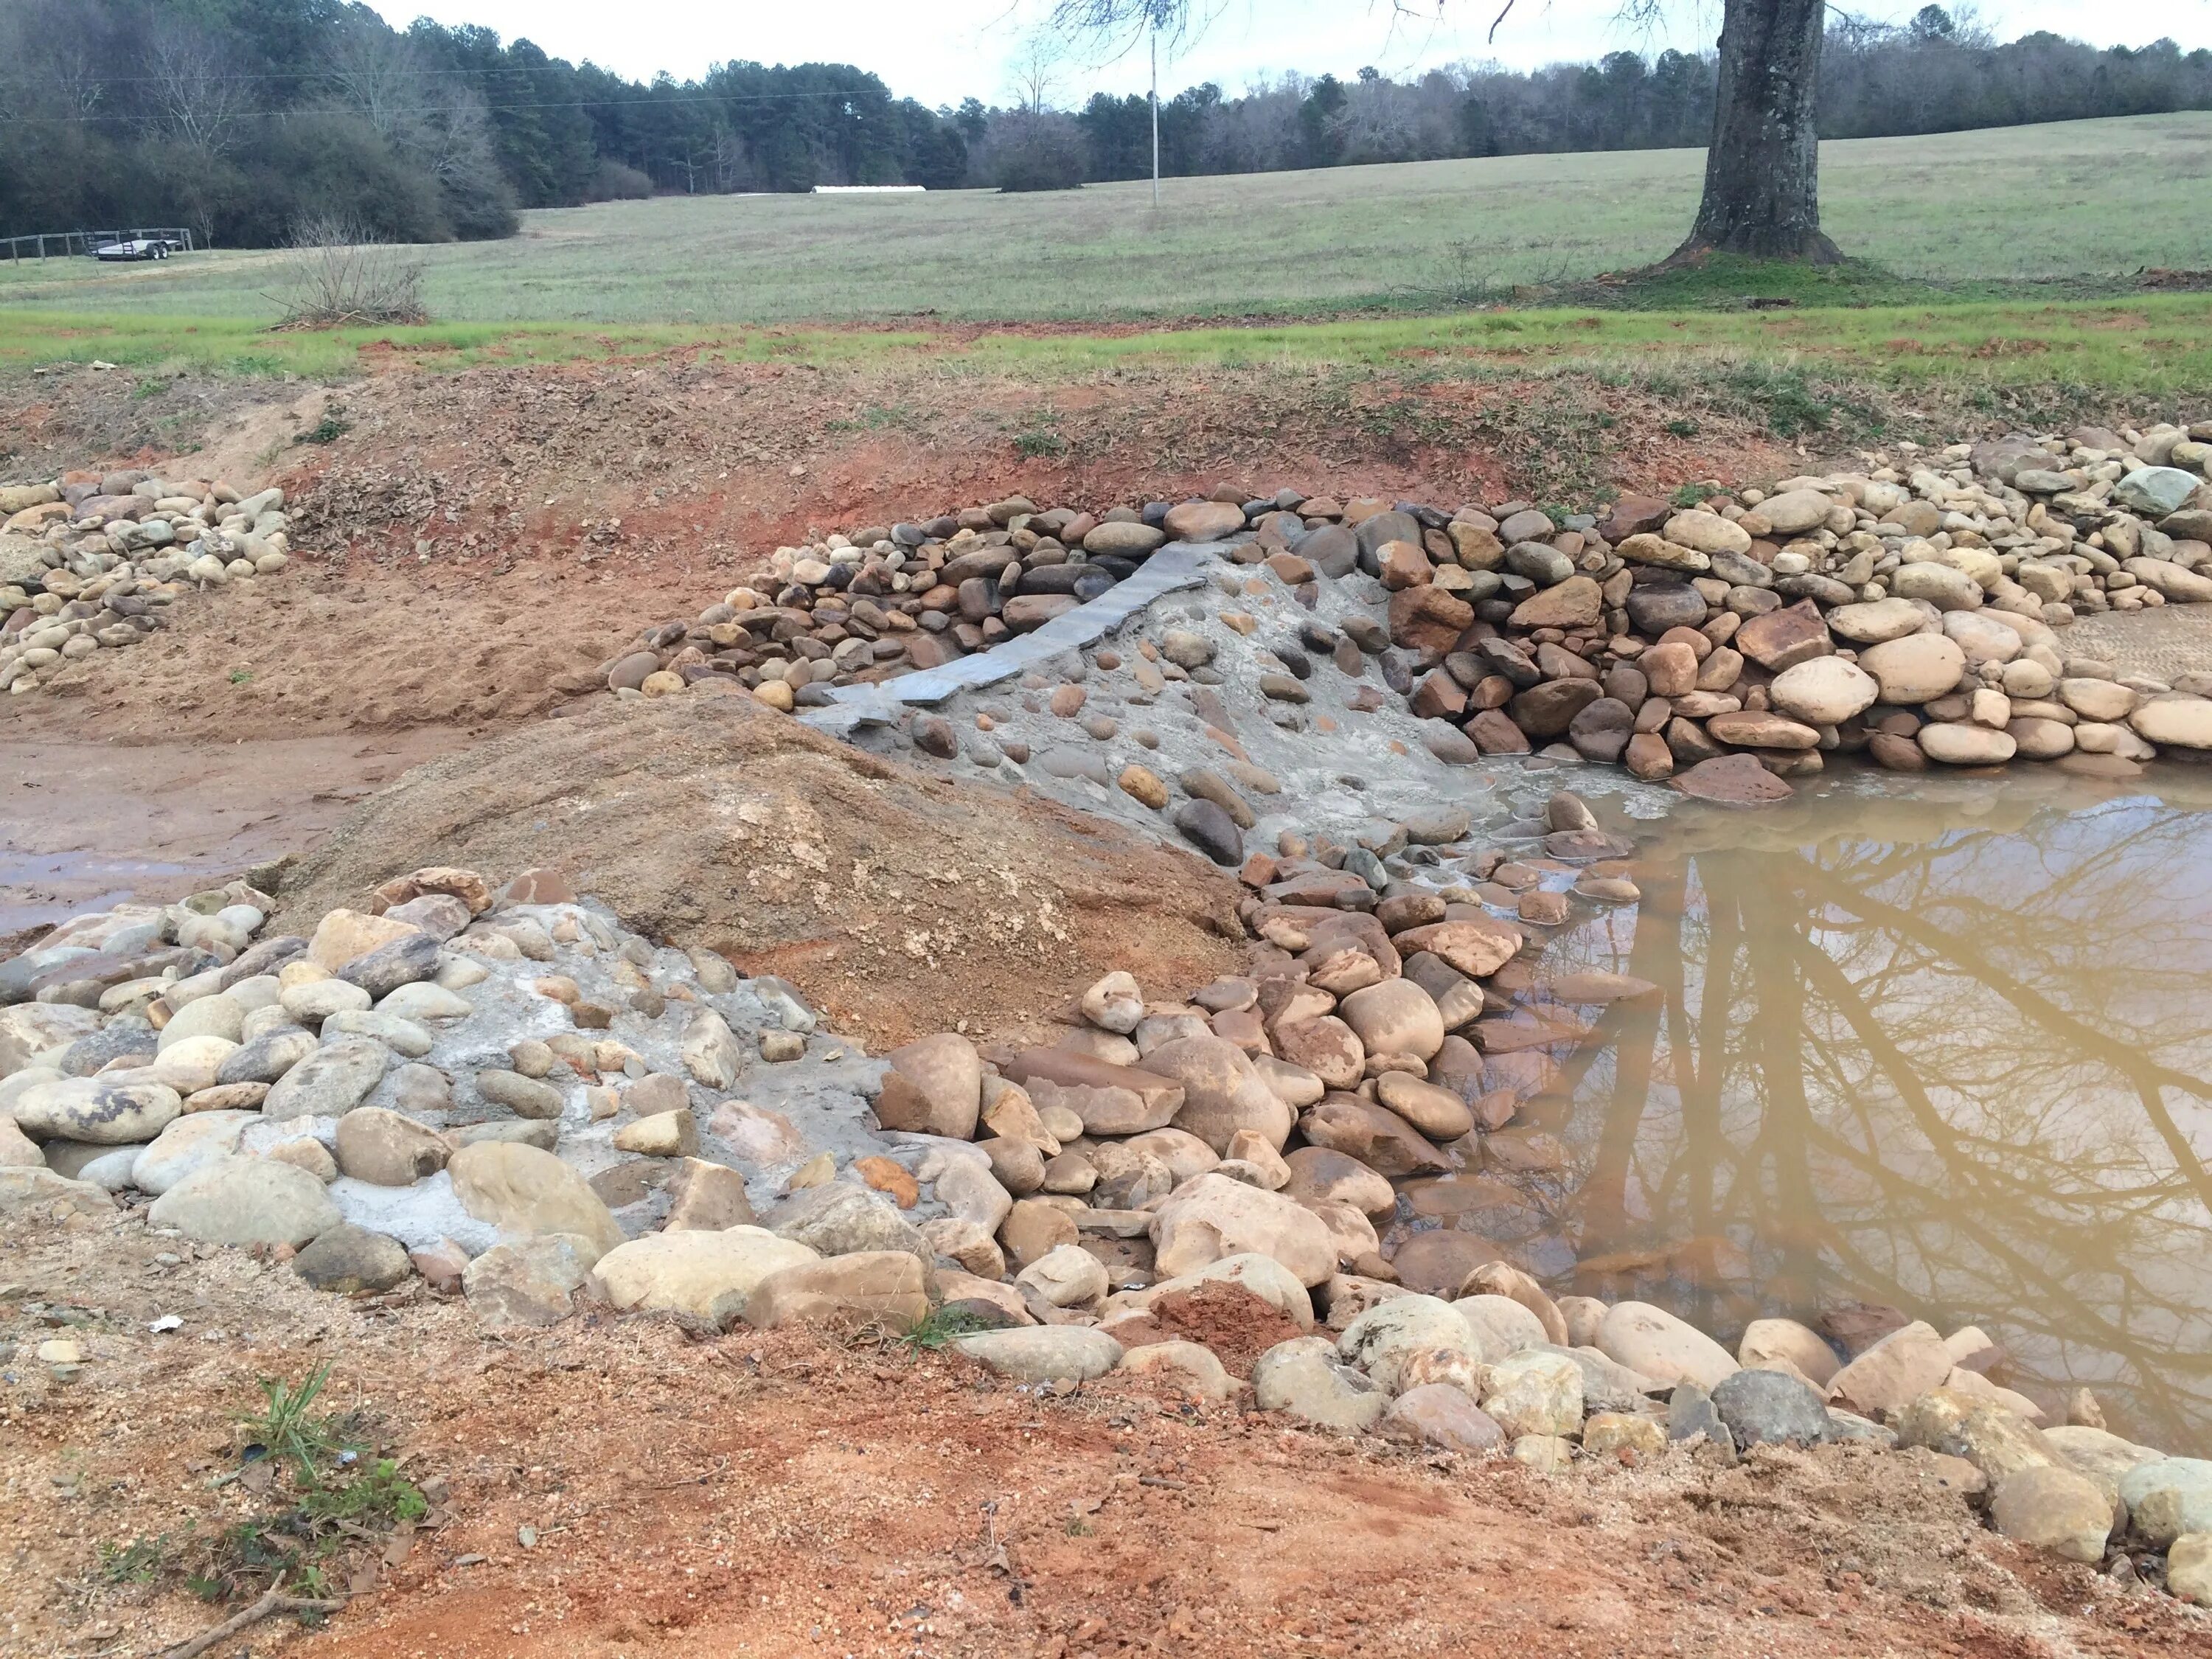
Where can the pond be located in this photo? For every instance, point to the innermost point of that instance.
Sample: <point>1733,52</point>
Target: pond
<point>1943,1044</point>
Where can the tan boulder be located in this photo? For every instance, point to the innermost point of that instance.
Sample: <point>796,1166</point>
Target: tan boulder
<point>706,1275</point>
<point>1892,1373</point>
<point>1785,1339</point>
<point>1214,1216</point>
<point>345,936</point>
<point>1222,1093</point>
<point>1654,1342</point>
<point>525,1191</point>
<point>934,1086</point>
<point>889,1287</point>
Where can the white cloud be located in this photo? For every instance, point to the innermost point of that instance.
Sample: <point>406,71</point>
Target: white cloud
<point>946,49</point>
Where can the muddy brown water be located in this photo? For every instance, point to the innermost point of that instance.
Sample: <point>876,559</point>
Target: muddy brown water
<point>1942,1044</point>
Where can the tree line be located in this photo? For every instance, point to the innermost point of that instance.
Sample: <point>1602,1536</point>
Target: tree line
<point>1939,73</point>
<point>245,117</point>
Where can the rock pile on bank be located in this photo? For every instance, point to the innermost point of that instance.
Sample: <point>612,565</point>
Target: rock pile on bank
<point>90,561</point>
<point>1912,611</point>
<point>507,1094</point>
<point>885,601</point>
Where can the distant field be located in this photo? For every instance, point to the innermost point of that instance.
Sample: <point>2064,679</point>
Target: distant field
<point>2084,199</point>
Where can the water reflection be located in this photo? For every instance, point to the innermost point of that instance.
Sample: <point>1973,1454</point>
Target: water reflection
<point>1951,1050</point>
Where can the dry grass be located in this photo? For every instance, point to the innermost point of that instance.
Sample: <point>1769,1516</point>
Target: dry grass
<point>2087,199</point>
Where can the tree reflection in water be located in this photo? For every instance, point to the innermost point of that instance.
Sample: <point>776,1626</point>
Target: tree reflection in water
<point>1952,1053</point>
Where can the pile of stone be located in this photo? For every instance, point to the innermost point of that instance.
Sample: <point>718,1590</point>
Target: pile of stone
<point>90,561</point>
<point>510,1097</point>
<point>1912,612</point>
<point>884,601</point>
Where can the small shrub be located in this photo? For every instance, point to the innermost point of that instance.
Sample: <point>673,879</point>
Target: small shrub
<point>328,430</point>
<point>1030,446</point>
<point>337,274</point>
<point>940,1328</point>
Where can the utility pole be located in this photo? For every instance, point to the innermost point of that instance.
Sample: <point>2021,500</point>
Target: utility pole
<point>1156,112</point>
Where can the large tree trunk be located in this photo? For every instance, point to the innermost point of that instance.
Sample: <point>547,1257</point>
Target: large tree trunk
<point>1762,174</point>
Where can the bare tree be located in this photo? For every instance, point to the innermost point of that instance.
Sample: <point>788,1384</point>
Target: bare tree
<point>377,73</point>
<point>1762,172</point>
<point>200,100</point>
<point>1036,71</point>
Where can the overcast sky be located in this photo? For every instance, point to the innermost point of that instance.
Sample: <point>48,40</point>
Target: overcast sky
<point>942,51</point>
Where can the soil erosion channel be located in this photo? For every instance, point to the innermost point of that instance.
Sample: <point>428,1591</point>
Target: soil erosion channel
<point>1944,1050</point>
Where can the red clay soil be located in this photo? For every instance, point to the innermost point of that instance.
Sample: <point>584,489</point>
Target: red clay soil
<point>472,536</point>
<point>804,1493</point>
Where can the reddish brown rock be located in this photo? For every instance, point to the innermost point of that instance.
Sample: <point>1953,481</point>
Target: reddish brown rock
<point>1428,618</point>
<point>1733,780</point>
<point>1783,639</point>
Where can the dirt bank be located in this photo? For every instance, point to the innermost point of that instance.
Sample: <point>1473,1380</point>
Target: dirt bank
<point>624,1489</point>
<point>468,536</point>
<point>900,904</point>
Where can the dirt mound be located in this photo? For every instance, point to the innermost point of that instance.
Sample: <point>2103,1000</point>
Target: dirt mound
<point>1239,1326</point>
<point>900,904</point>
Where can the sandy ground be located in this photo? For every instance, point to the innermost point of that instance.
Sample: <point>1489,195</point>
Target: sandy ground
<point>808,1493</point>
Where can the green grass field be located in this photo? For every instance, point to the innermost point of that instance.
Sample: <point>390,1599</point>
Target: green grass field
<point>2082,202</point>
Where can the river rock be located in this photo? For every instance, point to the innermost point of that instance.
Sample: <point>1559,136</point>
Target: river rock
<point>1190,1368</point>
<point>521,1190</point>
<point>99,1110</point>
<point>2054,1509</point>
<point>1439,1414</point>
<point>1915,669</point>
<point>1878,621</point>
<point>706,1275</point>
<point>388,1149</point>
<point>1500,1325</point>
<point>268,1057</point>
<point>411,958</point>
<point>1984,1433</point>
<point>1043,1354</point>
<point>2179,722</point>
<point>711,1052</point>
<point>528,1282</point>
<point>934,1086</point>
<point>346,1260</point>
<point>1215,1216</point>
<point>885,1287</point>
<point>247,1200</point>
<point>2156,491</point>
<point>1825,691</point>
<point>1653,1341</point>
<point>33,1190</point>
<point>1708,532</point>
<point>2169,1498</point>
<point>1534,1393</point>
<point>1957,744</point>
<point>1786,1339</point>
<point>1770,1406</point>
<point>187,1145</point>
<point>1222,1094</point>
<point>1396,1017</point>
<point>331,1082</point>
<point>1890,1374</point>
<point>841,1218</point>
<point>1067,1276</point>
<point>1384,1340</point>
<point>1304,1378</point>
<point>345,936</point>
